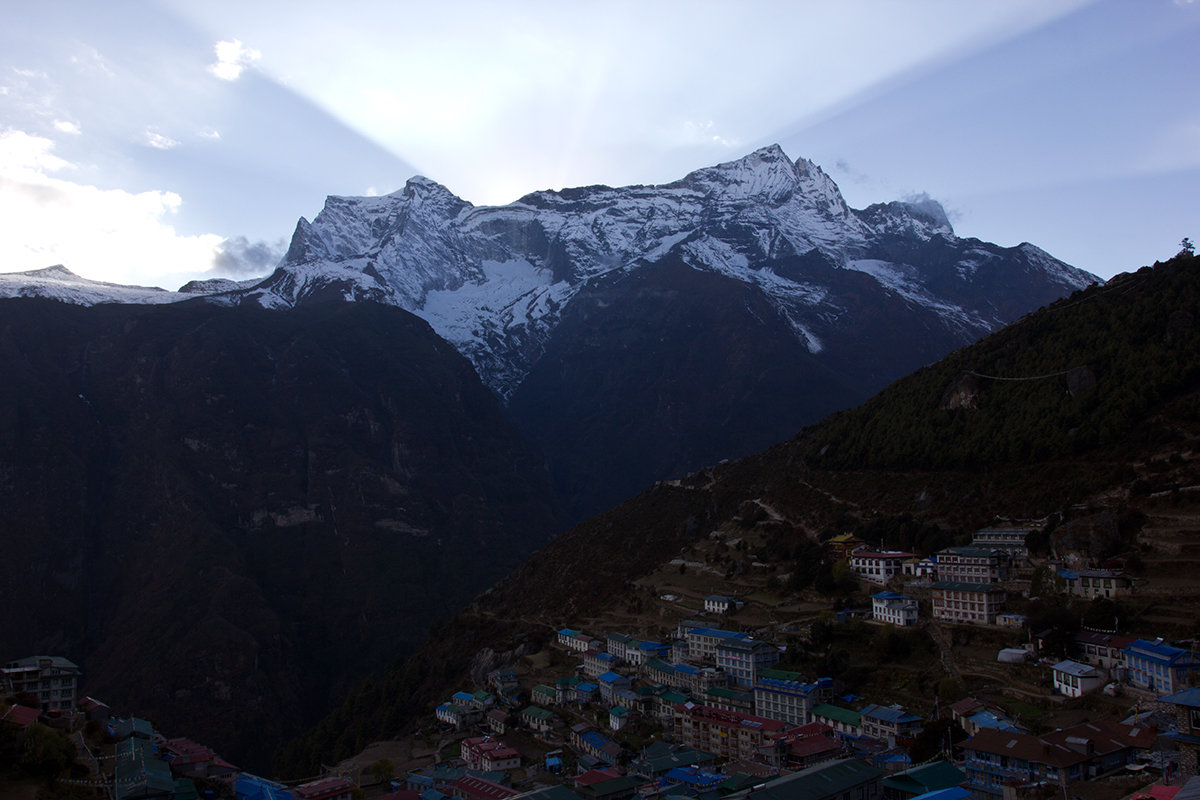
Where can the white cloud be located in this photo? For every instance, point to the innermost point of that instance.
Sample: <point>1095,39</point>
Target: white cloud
<point>210,133</point>
<point>232,59</point>
<point>159,142</point>
<point>103,234</point>
<point>66,126</point>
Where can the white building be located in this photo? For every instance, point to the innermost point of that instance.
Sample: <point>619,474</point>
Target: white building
<point>967,602</point>
<point>1073,679</point>
<point>894,609</point>
<point>720,604</point>
<point>52,679</point>
<point>879,566</point>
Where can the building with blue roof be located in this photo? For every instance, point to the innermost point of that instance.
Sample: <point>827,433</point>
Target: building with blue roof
<point>1186,706</point>
<point>702,642</point>
<point>252,787</point>
<point>787,697</point>
<point>889,723</point>
<point>1159,667</point>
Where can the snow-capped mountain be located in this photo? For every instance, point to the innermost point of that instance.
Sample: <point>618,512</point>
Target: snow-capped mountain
<point>494,281</point>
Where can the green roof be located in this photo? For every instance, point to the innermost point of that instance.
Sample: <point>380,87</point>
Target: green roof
<point>830,779</point>
<point>837,713</point>
<point>542,688</point>
<point>926,778</point>
<point>674,698</point>
<point>537,712</point>
<point>730,694</point>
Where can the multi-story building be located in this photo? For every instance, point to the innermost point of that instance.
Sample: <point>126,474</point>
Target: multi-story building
<point>878,566</point>
<point>743,659</point>
<point>996,760</point>
<point>889,723</point>
<point>840,547</point>
<point>488,754</point>
<point>894,609</point>
<point>785,696</point>
<point>967,602</point>
<point>53,680</point>
<point>702,642</point>
<point>1104,650</point>
<point>727,699</point>
<point>842,720</point>
<point>1010,540</point>
<point>1159,667</point>
<point>972,565</point>
<point>1093,583</point>
<point>730,735</point>
<point>1072,679</point>
<point>596,663</point>
<point>721,604</point>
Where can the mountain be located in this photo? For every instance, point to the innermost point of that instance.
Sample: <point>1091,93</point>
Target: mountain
<point>229,516</point>
<point>1087,418</point>
<point>642,332</point>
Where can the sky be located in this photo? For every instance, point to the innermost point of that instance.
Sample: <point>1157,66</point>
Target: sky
<point>157,141</point>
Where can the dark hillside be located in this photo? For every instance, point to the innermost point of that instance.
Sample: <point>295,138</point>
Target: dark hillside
<point>229,516</point>
<point>1114,426</point>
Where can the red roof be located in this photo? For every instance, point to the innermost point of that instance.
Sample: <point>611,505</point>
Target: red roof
<point>592,777</point>
<point>21,716</point>
<point>325,787</point>
<point>479,789</point>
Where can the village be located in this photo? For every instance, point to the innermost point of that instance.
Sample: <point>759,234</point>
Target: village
<point>705,696</point>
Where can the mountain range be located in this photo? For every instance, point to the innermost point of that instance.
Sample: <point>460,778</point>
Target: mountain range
<point>639,333</point>
<point>225,491</point>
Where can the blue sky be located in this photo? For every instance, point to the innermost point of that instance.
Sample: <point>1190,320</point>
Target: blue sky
<point>154,142</point>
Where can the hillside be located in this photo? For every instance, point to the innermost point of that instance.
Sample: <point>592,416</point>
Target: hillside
<point>210,508</point>
<point>1104,420</point>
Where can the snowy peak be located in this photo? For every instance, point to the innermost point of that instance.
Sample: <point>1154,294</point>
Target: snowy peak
<point>764,176</point>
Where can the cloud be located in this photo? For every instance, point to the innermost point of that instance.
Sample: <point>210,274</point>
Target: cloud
<point>232,59</point>
<point>705,132</point>
<point>103,234</point>
<point>65,126</point>
<point>210,133</point>
<point>238,257</point>
<point>159,142</point>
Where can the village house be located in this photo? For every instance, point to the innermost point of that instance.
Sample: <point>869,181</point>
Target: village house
<point>878,566</point>
<point>589,740</point>
<point>894,609</point>
<point>194,760</point>
<point>497,720</point>
<point>1072,679</point>
<point>920,567</point>
<point>1185,705</point>
<point>730,735</point>
<point>456,714</point>
<point>996,760</point>
<point>1093,583</point>
<point>639,652</point>
<point>53,680</point>
<point>702,642</point>
<point>659,758</point>
<point>619,717</point>
<point>1159,667</point>
<point>682,676</point>
<point>727,699</point>
<point>973,716</point>
<point>1010,540</point>
<point>842,720</point>
<point>564,689</point>
<point>840,547</point>
<point>596,663</point>
<point>488,754</point>
<point>889,723</point>
<point>721,604</point>
<point>743,659</point>
<point>966,602</point>
<point>811,744</point>
<point>574,640</point>
<point>972,565</point>
<point>610,683</point>
<point>539,720</point>
<point>543,695</point>
<point>916,781</point>
<point>1104,650</point>
<point>785,696</point>
<point>617,644</point>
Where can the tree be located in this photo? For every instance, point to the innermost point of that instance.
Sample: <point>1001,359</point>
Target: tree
<point>1186,246</point>
<point>383,769</point>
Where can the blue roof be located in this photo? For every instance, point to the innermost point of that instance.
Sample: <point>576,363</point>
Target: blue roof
<point>568,632</point>
<point>252,787</point>
<point>889,714</point>
<point>587,687</point>
<point>1162,653</point>
<point>464,696</point>
<point>889,596</point>
<point>1188,697</point>
<point>717,633</point>
<point>609,677</point>
<point>988,719</point>
<point>953,793</point>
